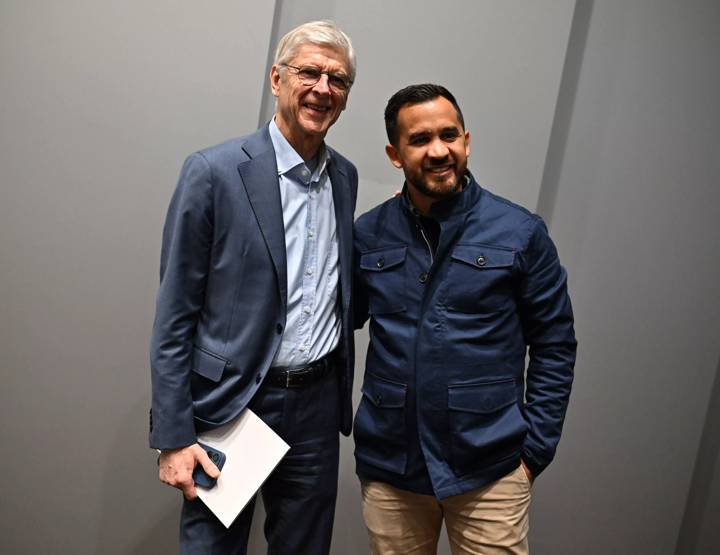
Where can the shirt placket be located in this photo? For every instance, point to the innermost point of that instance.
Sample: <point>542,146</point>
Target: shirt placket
<point>309,271</point>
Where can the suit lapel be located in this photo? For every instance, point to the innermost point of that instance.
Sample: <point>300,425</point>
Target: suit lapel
<point>343,222</point>
<point>259,176</point>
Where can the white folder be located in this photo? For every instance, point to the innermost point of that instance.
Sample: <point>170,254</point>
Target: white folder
<point>252,450</point>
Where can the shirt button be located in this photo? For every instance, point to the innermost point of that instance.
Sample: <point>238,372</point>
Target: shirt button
<point>309,271</point>
<point>306,310</point>
<point>423,277</point>
<point>301,348</point>
<point>311,233</point>
<point>279,328</point>
<point>481,260</point>
<point>381,262</point>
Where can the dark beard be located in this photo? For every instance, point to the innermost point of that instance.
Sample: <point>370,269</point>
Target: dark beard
<point>422,186</point>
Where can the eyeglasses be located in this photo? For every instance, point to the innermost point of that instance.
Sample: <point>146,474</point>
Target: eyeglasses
<point>309,75</point>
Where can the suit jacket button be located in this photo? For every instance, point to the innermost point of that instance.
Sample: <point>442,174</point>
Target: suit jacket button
<point>279,328</point>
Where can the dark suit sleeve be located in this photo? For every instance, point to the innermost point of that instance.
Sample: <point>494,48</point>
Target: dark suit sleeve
<point>547,321</point>
<point>186,248</point>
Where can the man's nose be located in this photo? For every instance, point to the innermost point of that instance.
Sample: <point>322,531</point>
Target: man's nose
<point>438,149</point>
<point>323,85</point>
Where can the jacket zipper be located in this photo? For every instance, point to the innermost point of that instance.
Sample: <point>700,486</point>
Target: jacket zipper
<point>427,242</point>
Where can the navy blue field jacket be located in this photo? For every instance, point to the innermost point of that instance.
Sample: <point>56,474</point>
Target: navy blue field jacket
<point>448,404</point>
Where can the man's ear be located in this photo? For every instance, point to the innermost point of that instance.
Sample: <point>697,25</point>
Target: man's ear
<point>467,143</point>
<point>393,155</point>
<point>275,80</point>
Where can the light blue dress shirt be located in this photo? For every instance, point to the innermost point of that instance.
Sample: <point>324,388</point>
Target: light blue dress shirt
<point>312,329</point>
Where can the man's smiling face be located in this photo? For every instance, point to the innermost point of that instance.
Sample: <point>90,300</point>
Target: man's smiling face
<point>306,112</point>
<point>432,149</point>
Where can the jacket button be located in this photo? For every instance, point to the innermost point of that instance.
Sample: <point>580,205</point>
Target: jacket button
<point>381,262</point>
<point>481,260</point>
<point>423,277</point>
<point>279,328</point>
<point>378,399</point>
<point>258,378</point>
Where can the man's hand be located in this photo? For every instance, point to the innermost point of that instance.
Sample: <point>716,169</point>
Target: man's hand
<point>528,473</point>
<point>177,465</point>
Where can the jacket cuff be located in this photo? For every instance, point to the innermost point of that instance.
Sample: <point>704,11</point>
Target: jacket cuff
<point>535,466</point>
<point>171,435</point>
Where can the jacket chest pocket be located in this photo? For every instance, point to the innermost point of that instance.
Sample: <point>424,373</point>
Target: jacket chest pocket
<point>479,279</point>
<point>383,272</point>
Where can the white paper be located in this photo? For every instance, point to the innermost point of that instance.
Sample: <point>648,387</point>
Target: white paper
<point>252,450</point>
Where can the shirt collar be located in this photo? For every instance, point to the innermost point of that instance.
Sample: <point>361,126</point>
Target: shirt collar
<point>289,161</point>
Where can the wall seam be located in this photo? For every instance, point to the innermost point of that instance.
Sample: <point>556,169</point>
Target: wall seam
<point>267,100</point>
<point>574,55</point>
<point>702,477</point>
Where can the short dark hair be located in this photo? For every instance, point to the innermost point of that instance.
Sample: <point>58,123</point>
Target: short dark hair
<point>415,94</point>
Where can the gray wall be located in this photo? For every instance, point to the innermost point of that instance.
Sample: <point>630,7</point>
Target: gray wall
<point>100,104</point>
<point>635,215</point>
<point>603,117</point>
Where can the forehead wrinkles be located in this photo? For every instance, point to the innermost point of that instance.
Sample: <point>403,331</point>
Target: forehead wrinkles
<point>433,116</point>
<point>323,57</point>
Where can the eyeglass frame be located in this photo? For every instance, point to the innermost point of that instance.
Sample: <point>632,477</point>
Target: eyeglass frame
<point>346,80</point>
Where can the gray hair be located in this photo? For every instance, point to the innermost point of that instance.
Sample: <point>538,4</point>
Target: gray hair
<point>320,33</point>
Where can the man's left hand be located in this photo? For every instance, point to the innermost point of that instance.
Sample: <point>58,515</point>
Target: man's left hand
<point>528,473</point>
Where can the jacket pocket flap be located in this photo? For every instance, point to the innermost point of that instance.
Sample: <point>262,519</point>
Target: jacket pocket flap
<point>482,257</point>
<point>208,365</point>
<point>384,394</point>
<point>380,306</point>
<point>483,398</point>
<point>384,259</point>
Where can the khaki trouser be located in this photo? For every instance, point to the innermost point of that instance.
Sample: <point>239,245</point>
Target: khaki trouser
<point>488,521</point>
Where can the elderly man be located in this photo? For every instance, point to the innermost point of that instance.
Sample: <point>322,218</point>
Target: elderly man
<point>458,283</point>
<point>253,307</point>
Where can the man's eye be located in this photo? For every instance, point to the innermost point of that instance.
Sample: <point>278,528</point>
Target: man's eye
<point>450,136</point>
<point>309,73</point>
<point>337,81</point>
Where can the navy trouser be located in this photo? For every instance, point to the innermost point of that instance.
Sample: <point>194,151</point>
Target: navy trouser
<point>299,495</point>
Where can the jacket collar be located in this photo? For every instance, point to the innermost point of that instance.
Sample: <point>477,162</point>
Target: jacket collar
<point>446,208</point>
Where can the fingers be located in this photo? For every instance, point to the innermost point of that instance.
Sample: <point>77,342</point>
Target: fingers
<point>528,472</point>
<point>208,466</point>
<point>176,468</point>
<point>189,491</point>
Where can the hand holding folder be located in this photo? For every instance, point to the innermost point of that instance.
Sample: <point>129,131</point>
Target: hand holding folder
<point>252,451</point>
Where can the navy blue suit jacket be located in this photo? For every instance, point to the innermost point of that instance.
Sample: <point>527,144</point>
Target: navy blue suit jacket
<point>222,303</point>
